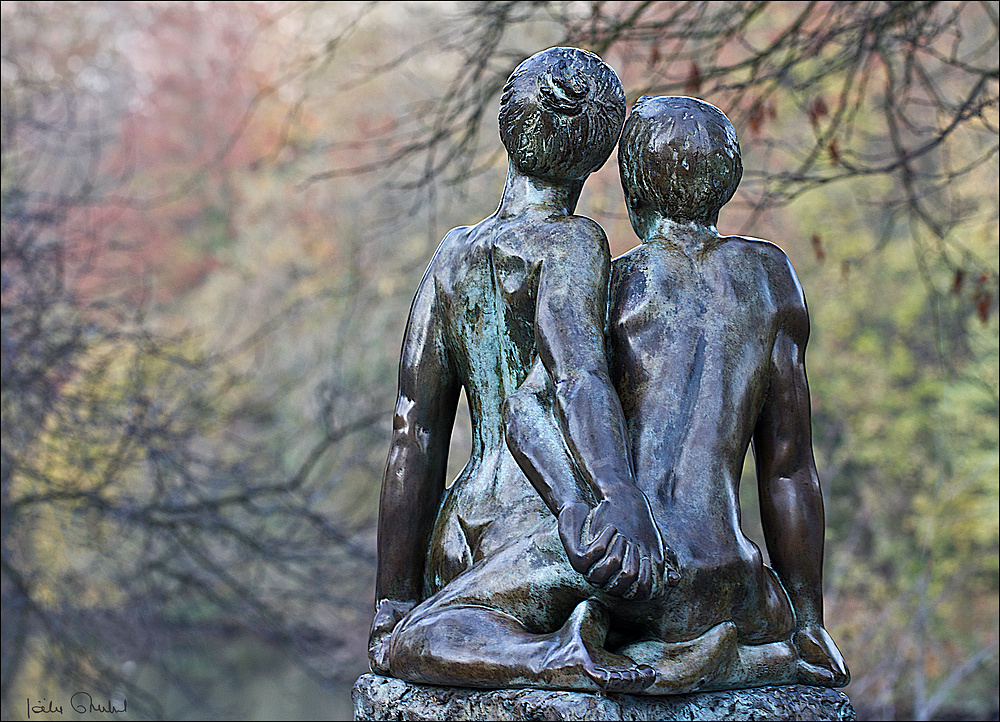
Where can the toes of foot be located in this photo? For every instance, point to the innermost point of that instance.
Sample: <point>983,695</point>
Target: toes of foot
<point>628,680</point>
<point>601,676</point>
<point>609,679</point>
<point>813,674</point>
<point>645,675</point>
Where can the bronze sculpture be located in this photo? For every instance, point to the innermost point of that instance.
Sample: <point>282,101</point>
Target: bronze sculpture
<point>544,565</point>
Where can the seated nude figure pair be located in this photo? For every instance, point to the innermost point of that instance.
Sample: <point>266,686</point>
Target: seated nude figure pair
<point>593,541</point>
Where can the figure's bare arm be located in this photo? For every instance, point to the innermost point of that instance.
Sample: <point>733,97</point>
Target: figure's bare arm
<point>537,442</point>
<point>416,470</point>
<point>571,310</point>
<point>791,502</point>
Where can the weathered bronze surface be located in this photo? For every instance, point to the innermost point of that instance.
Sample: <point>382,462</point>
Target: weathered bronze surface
<point>593,539</point>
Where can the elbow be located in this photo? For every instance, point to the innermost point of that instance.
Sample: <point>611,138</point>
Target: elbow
<point>797,494</point>
<point>404,414</point>
<point>406,431</point>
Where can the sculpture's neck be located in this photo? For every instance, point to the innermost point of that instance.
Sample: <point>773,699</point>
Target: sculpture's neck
<point>691,237</point>
<point>524,194</point>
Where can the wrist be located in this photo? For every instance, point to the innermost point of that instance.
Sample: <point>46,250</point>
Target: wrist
<point>621,492</point>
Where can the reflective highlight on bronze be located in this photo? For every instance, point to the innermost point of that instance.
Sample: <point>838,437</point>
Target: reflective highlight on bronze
<point>592,541</point>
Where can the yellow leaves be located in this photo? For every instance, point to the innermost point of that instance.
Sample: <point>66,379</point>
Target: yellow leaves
<point>868,343</point>
<point>900,364</point>
<point>87,460</point>
<point>86,445</point>
<point>71,554</point>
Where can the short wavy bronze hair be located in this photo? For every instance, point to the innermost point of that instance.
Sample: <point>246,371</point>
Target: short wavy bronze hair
<point>561,113</point>
<point>679,157</point>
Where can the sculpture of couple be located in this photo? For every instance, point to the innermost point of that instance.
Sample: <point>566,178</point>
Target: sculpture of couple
<point>593,541</point>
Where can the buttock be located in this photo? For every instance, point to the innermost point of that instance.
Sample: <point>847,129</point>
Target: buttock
<point>530,579</point>
<point>753,600</point>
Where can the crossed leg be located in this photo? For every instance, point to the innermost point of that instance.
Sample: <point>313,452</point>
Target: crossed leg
<point>524,617</point>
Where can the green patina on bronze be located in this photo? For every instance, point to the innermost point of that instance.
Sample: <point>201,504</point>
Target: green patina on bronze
<point>592,541</point>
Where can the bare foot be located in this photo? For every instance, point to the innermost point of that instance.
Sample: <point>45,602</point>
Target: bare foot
<point>683,667</point>
<point>388,613</point>
<point>820,661</point>
<point>578,649</point>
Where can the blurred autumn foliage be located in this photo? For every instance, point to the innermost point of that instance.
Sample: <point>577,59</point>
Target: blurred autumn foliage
<point>214,218</point>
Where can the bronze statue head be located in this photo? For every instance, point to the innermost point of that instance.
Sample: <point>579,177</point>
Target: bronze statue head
<point>561,113</point>
<point>678,158</point>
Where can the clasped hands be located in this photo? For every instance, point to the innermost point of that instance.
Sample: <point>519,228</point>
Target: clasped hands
<point>617,547</point>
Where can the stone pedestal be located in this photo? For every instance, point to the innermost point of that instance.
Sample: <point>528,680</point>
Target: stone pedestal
<point>384,698</point>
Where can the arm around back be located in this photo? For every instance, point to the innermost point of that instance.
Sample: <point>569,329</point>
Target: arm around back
<point>624,552</point>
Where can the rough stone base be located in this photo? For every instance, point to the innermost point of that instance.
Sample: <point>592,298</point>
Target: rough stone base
<point>384,698</point>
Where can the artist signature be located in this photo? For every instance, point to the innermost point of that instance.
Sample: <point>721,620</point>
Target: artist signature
<point>80,702</point>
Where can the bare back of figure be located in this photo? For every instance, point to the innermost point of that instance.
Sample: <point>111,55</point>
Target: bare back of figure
<point>487,281</point>
<point>707,346</point>
<point>691,340</point>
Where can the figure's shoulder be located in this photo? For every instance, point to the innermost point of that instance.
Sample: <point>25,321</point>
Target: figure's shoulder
<point>636,258</point>
<point>582,232</point>
<point>584,226</point>
<point>576,241</point>
<point>442,268</point>
<point>454,241</point>
<point>765,250</point>
<point>640,254</point>
<point>774,263</point>
<point>637,273</point>
<point>452,247</point>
